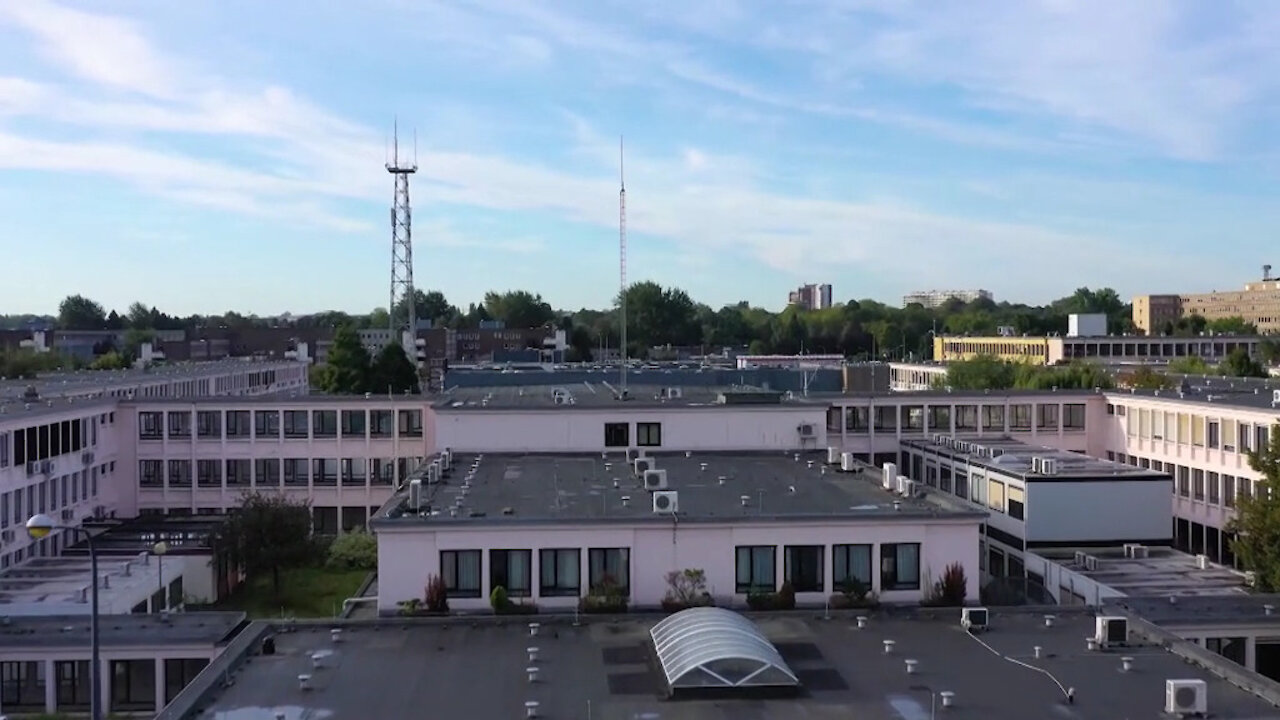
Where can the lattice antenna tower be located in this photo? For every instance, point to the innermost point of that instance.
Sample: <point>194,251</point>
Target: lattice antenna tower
<point>402,318</point>
<point>622,265</point>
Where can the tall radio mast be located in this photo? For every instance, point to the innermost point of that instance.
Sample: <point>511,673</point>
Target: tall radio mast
<point>402,292</point>
<point>622,264</point>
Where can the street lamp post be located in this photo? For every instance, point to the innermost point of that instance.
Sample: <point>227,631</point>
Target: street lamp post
<point>40,527</point>
<point>160,549</point>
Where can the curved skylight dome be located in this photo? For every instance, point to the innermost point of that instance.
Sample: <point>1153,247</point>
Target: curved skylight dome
<point>1007,459</point>
<point>709,647</point>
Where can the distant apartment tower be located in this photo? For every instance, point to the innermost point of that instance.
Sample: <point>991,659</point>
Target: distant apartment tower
<point>938,298</point>
<point>811,297</point>
<point>1258,303</point>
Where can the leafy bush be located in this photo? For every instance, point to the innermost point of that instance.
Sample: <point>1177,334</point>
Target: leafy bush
<point>354,551</point>
<point>951,589</point>
<point>607,596</point>
<point>437,595</point>
<point>685,589</point>
<point>783,599</point>
<point>498,599</point>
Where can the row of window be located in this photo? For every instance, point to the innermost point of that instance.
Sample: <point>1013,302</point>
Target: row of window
<point>1196,430</point>
<point>132,683</point>
<point>995,495</point>
<point>957,418</point>
<point>42,442</point>
<point>274,424</point>
<point>264,472</point>
<point>618,434</point>
<point>1203,485</point>
<point>559,571</point>
<point>50,495</point>
<point>237,383</point>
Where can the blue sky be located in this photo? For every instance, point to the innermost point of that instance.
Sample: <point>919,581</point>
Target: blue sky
<point>208,155</point>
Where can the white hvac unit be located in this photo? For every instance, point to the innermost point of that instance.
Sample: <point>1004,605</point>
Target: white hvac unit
<point>1275,397</point>
<point>906,486</point>
<point>1080,558</point>
<point>673,393</point>
<point>666,502</point>
<point>1250,578</point>
<point>1035,463</point>
<point>1184,698</point>
<point>890,475</point>
<point>974,619</point>
<point>1090,563</point>
<point>655,480</point>
<point>1135,551</point>
<point>415,495</point>
<point>433,473</point>
<point>1048,466</point>
<point>1202,562</point>
<point>962,446</point>
<point>1111,631</point>
<point>447,454</point>
<point>806,430</point>
<point>633,453</point>
<point>848,463</point>
<point>940,439</point>
<point>833,456</point>
<point>643,465</point>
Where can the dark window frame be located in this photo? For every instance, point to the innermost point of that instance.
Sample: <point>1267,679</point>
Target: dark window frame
<point>553,558</point>
<point>617,434</point>
<point>449,565</point>
<point>649,434</point>
<point>802,559</point>
<point>841,565</point>
<point>500,564</point>
<point>891,577</point>
<point>752,584</point>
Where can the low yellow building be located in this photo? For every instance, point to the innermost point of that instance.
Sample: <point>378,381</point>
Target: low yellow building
<point>1032,350</point>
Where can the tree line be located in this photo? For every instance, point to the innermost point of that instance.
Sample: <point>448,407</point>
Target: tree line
<point>659,318</point>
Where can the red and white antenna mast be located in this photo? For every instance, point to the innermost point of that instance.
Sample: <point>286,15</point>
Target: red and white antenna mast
<point>622,264</point>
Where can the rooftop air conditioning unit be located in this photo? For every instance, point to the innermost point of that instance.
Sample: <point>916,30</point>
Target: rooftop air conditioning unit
<point>1202,562</point>
<point>666,502</point>
<point>974,619</point>
<point>447,456</point>
<point>1111,631</point>
<point>415,495</point>
<point>46,467</point>
<point>633,453</point>
<point>1035,463</point>
<point>655,480</point>
<point>674,393</point>
<point>643,465</point>
<point>906,486</point>
<point>890,475</point>
<point>939,439</point>
<point>1090,562</point>
<point>847,462</point>
<point>833,456</point>
<point>1080,557</point>
<point>1183,698</point>
<point>962,446</point>
<point>1275,397</point>
<point>1048,466</point>
<point>806,430</point>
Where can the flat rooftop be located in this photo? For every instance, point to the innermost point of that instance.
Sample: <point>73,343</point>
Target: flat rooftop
<point>1251,393</point>
<point>64,582</point>
<point>607,671</point>
<point>85,382</point>
<point>118,631</point>
<point>1164,572</point>
<point>589,395</point>
<point>1238,609</point>
<point>712,487</point>
<point>1014,457</point>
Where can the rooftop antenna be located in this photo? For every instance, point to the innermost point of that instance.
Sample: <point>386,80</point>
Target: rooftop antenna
<point>402,319</point>
<point>622,265</point>
<point>1266,272</point>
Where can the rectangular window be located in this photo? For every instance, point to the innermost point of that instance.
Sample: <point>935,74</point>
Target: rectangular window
<point>209,473</point>
<point>266,424</point>
<point>266,472</point>
<point>1215,434</point>
<point>617,435</point>
<point>380,422</point>
<point>238,424</point>
<point>209,424</point>
<point>1229,490</point>
<point>1017,499</point>
<point>179,424</point>
<point>900,566</point>
<point>1214,491</point>
<point>610,565</point>
<point>151,473</point>
<point>993,417</point>
<point>940,418</point>
<point>851,568</point>
<point>179,473</point>
<point>857,419</point>
<point>912,418</point>
<point>511,570</point>
<point>150,425</point>
<point>755,569</point>
<point>1020,417</point>
<point>296,424</point>
<point>885,418</point>
<point>460,570</point>
<point>560,572</point>
<point>1047,417</point>
<point>966,417</point>
<point>802,567</point>
<point>324,423</point>
<point>238,472</point>
<point>1073,416</point>
<point>410,423</point>
<point>649,434</point>
<point>353,423</point>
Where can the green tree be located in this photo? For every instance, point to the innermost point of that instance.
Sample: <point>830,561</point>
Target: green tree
<point>267,534</point>
<point>430,305</point>
<point>1239,364</point>
<point>1190,366</point>
<point>518,309</point>
<point>1235,325</point>
<point>1269,351</point>
<point>1145,378</point>
<point>1257,522</point>
<point>108,361</point>
<point>393,372</point>
<point>980,373</point>
<point>353,551</point>
<point>348,364</point>
<point>78,312</point>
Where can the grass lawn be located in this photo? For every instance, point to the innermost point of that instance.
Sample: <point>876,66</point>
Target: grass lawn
<point>312,592</point>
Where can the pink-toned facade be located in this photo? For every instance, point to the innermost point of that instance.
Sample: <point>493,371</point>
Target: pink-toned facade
<point>153,447</point>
